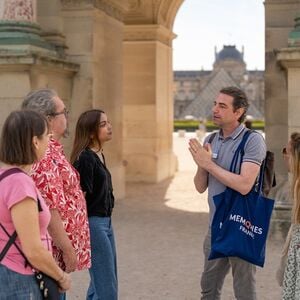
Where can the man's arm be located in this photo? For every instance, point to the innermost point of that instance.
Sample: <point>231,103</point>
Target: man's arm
<point>200,180</point>
<point>201,177</point>
<point>61,240</point>
<point>242,182</point>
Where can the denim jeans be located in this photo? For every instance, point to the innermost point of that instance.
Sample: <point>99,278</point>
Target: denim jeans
<point>104,279</point>
<point>18,286</point>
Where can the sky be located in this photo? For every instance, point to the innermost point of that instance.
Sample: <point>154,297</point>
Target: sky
<point>200,25</point>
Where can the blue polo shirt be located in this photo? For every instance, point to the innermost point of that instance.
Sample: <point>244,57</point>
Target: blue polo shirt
<point>223,150</point>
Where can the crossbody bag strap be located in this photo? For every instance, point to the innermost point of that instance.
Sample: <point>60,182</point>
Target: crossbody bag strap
<point>11,241</point>
<point>10,172</point>
<point>12,238</point>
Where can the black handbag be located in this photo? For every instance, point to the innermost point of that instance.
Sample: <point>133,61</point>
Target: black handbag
<point>47,285</point>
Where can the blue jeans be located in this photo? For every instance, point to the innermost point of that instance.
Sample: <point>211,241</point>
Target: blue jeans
<point>18,286</point>
<point>104,279</point>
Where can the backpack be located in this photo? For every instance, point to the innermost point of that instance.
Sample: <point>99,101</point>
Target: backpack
<point>266,169</point>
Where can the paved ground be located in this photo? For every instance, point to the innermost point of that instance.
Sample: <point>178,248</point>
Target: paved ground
<point>159,232</point>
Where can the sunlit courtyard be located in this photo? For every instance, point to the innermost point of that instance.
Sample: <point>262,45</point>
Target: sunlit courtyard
<point>159,230</point>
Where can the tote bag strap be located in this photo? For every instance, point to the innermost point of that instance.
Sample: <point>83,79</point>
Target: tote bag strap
<point>239,152</point>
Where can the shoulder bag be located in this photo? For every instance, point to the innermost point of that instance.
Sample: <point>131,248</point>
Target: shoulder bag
<point>241,222</point>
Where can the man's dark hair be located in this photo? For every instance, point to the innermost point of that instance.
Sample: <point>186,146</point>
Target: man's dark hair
<point>239,100</point>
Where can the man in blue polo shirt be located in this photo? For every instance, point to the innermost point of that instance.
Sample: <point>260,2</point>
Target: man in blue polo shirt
<point>213,163</point>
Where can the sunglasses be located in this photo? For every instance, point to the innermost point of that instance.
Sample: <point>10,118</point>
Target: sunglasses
<point>283,151</point>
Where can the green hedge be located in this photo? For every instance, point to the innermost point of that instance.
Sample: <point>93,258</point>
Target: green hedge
<point>192,125</point>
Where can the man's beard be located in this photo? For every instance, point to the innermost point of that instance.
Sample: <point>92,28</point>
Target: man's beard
<point>66,133</point>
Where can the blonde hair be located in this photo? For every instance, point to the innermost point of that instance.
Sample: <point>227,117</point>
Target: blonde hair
<point>295,169</point>
<point>294,164</point>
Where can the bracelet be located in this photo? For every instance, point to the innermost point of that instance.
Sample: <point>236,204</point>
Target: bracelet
<point>62,278</point>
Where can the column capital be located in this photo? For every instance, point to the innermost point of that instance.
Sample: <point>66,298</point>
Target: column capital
<point>113,8</point>
<point>289,57</point>
<point>19,59</point>
<point>148,33</point>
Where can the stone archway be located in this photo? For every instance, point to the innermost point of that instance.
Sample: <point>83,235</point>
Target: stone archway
<point>147,91</point>
<point>117,54</point>
<point>147,73</point>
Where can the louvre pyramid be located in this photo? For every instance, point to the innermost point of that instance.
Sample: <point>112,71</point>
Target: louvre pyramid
<point>201,106</point>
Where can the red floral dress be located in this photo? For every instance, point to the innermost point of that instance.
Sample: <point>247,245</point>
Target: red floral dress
<point>59,184</point>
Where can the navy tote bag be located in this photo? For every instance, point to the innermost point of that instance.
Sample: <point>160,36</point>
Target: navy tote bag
<point>241,222</point>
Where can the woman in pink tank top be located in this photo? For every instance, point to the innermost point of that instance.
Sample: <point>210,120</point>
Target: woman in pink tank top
<point>24,140</point>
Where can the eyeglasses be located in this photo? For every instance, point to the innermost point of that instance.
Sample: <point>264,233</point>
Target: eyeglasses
<point>64,112</point>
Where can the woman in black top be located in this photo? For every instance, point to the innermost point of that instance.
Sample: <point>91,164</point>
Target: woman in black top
<point>93,129</point>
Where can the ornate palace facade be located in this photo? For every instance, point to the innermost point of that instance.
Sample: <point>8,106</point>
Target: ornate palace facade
<point>194,91</point>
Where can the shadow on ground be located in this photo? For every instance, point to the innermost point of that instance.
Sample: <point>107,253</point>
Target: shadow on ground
<point>159,233</point>
<point>160,248</point>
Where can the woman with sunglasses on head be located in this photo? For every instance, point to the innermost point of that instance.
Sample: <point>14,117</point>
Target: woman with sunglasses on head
<point>24,140</point>
<point>93,130</point>
<point>291,279</point>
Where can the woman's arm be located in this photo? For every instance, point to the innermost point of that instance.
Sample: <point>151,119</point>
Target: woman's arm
<point>25,218</point>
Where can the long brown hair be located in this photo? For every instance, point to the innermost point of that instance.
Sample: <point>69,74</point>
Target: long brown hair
<point>86,128</point>
<point>295,169</point>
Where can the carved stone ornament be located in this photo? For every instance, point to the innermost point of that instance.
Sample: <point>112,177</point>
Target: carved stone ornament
<point>160,12</point>
<point>140,12</point>
<point>148,33</point>
<point>112,8</point>
<point>135,4</point>
<point>18,10</point>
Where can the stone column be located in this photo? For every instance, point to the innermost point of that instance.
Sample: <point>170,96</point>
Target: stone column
<point>148,103</point>
<point>18,27</point>
<point>289,60</point>
<point>50,19</point>
<point>27,61</point>
<point>279,23</point>
<point>94,34</point>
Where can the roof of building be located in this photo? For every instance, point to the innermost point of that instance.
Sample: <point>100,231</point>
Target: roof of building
<point>256,72</point>
<point>190,74</point>
<point>229,52</point>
